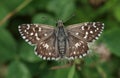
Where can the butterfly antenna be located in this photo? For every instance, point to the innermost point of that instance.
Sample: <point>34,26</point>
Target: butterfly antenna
<point>69,17</point>
<point>56,19</point>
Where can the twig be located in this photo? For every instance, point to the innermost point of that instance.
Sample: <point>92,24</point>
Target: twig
<point>59,67</point>
<point>9,15</point>
<point>102,72</point>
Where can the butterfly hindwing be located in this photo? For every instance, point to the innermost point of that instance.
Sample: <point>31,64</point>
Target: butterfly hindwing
<point>48,49</point>
<point>77,48</point>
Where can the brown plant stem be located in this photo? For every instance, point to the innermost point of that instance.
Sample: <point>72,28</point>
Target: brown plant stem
<point>59,67</point>
<point>9,15</point>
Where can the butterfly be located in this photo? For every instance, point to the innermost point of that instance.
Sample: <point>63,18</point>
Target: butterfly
<point>54,43</point>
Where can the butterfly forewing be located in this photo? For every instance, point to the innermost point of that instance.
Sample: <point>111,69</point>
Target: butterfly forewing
<point>87,31</point>
<point>35,33</point>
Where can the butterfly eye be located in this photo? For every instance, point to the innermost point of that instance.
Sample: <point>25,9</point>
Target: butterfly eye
<point>56,24</point>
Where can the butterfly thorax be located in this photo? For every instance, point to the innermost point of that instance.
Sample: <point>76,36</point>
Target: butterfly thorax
<point>60,23</point>
<point>61,39</point>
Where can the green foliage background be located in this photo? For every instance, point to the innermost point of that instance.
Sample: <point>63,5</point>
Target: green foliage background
<point>17,58</point>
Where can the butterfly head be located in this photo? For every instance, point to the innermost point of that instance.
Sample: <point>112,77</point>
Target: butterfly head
<point>59,23</point>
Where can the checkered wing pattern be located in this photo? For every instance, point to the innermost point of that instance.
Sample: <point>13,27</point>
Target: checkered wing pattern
<point>79,35</point>
<point>48,49</point>
<point>88,31</point>
<point>77,38</point>
<point>42,36</point>
<point>77,48</point>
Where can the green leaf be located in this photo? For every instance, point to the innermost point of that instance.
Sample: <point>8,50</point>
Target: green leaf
<point>112,40</point>
<point>102,72</point>
<point>18,70</point>
<point>12,4</point>
<point>117,12</point>
<point>92,57</point>
<point>27,53</point>
<point>29,9</point>
<point>90,72</point>
<point>43,19</point>
<point>7,46</point>
<point>71,72</point>
<point>62,73</point>
<point>41,4</point>
<point>3,13</point>
<point>64,9</point>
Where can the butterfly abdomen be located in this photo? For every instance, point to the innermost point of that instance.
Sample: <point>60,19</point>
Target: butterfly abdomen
<point>61,41</point>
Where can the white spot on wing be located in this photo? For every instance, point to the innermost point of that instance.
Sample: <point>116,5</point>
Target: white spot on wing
<point>31,33</point>
<point>19,30</point>
<point>53,58</point>
<point>36,34</point>
<point>21,34</point>
<point>44,58</point>
<point>75,57</point>
<point>24,37</point>
<point>40,56</point>
<point>76,33</point>
<point>102,27</point>
<point>91,32</point>
<point>98,34</point>
<point>49,53</point>
<point>57,58</point>
<point>36,25</point>
<point>28,26</point>
<point>80,56</point>
<point>45,34</point>
<point>97,28</point>
<point>37,38</point>
<point>48,58</point>
<point>26,40</point>
<point>74,52</point>
<point>84,54</point>
<point>94,24</point>
<point>103,24</point>
<point>46,45</point>
<point>35,53</point>
<point>39,29</point>
<point>27,33</point>
<point>24,30</point>
<point>72,58</point>
<point>19,27</point>
<point>77,44</point>
<point>86,34</point>
<point>96,37</point>
<point>83,28</point>
<point>85,24</point>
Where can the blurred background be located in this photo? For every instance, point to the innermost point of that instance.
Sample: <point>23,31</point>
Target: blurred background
<point>17,58</point>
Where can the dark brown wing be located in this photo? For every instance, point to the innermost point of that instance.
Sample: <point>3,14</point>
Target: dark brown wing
<point>48,49</point>
<point>32,33</point>
<point>42,36</point>
<point>76,47</point>
<point>88,30</point>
